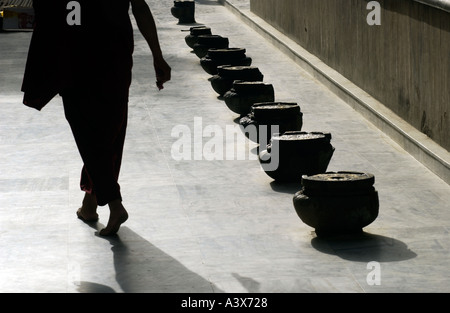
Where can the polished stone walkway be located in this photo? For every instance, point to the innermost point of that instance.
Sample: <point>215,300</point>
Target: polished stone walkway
<point>198,225</point>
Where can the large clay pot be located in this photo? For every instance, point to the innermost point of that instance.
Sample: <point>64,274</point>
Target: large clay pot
<point>206,42</point>
<point>244,94</point>
<point>297,154</point>
<point>184,11</point>
<point>196,31</point>
<point>337,203</point>
<point>227,74</point>
<point>226,56</point>
<point>269,118</point>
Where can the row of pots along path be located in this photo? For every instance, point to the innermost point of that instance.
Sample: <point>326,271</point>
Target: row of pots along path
<point>334,203</point>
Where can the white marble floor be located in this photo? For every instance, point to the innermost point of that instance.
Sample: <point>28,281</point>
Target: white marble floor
<point>198,225</point>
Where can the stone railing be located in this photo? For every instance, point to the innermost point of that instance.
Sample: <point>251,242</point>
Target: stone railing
<point>404,62</point>
<point>440,4</point>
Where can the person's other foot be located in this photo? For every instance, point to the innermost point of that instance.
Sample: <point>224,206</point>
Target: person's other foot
<point>87,217</point>
<point>118,216</point>
<point>88,210</point>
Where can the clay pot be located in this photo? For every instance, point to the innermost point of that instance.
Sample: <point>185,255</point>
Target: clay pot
<point>270,118</point>
<point>196,31</point>
<point>227,74</point>
<point>184,11</point>
<point>244,94</point>
<point>297,154</point>
<point>206,42</point>
<point>337,203</point>
<point>226,56</point>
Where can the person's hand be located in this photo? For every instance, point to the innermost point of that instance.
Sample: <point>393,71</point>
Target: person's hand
<point>163,72</point>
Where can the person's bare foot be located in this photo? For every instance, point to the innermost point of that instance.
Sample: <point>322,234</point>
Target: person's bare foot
<point>117,216</point>
<point>88,210</point>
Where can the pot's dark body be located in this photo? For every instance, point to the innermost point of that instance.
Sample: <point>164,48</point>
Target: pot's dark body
<point>337,203</point>
<point>269,118</point>
<point>184,11</point>
<point>297,154</point>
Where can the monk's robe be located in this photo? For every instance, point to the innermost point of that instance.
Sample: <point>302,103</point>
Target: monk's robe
<point>82,50</point>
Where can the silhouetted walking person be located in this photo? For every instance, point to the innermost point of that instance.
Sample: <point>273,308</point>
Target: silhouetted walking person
<point>83,50</point>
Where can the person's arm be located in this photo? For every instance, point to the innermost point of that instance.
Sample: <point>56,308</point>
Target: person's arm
<point>147,27</point>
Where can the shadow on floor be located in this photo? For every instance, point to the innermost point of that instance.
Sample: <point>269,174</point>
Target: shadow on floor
<point>286,187</point>
<point>189,25</point>
<point>236,120</point>
<point>140,267</point>
<point>364,247</point>
<point>248,283</point>
<point>90,287</point>
<point>207,2</point>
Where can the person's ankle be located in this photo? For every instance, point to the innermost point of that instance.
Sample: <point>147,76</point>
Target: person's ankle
<point>116,205</point>
<point>89,200</point>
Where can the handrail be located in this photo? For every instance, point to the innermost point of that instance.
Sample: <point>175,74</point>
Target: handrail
<point>439,4</point>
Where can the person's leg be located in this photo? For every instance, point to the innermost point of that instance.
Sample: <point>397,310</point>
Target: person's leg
<point>118,214</point>
<point>99,128</point>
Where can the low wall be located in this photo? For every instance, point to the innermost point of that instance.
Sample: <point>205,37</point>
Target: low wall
<point>404,62</point>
